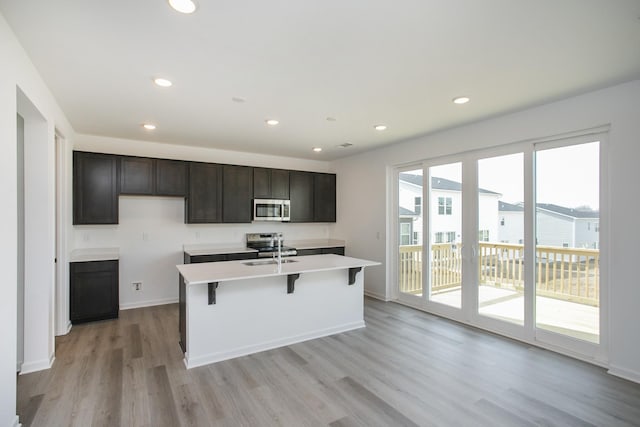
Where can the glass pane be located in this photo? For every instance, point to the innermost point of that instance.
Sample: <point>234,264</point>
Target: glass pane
<point>410,232</point>
<point>445,232</point>
<point>501,237</point>
<point>567,241</point>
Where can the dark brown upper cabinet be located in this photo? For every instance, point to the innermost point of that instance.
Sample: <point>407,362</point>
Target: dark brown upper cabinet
<point>301,196</point>
<point>204,196</point>
<point>270,183</point>
<point>137,175</point>
<point>324,197</point>
<point>171,178</point>
<point>147,176</point>
<point>95,188</point>
<point>237,193</point>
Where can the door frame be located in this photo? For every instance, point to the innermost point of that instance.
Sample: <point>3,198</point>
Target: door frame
<point>468,313</point>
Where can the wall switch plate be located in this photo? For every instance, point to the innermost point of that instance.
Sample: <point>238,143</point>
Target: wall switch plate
<point>137,286</point>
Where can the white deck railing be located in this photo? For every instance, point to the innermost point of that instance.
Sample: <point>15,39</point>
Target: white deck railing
<point>569,274</point>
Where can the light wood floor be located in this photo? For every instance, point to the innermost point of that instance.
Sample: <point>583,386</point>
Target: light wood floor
<point>405,368</point>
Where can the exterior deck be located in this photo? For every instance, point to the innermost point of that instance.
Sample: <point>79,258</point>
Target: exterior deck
<point>567,283</point>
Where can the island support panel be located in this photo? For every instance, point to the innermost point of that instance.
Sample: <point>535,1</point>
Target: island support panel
<point>253,315</point>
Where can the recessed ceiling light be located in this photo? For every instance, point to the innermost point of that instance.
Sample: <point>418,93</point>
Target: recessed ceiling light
<point>331,119</point>
<point>272,122</point>
<point>183,6</point>
<point>380,127</point>
<point>461,100</point>
<point>149,126</point>
<point>345,145</point>
<point>317,149</point>
<point>162,82</point>
<point>238,99</point>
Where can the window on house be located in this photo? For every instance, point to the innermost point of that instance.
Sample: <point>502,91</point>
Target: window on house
<point>444,205</point>
<point>439,237</point>
<point>502,221</point>
<point>451,236</point>
<point>565,245</point>
<point>483,235</point>
<point>417,205</point>
<point>416,241</point>
<point>597,228</point>
<point>405,233</point>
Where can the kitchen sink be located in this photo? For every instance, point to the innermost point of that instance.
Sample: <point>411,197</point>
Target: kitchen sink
<point>269,262</point>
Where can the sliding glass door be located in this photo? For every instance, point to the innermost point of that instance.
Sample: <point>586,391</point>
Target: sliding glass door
<point>445,234</point>
<point>409,185</point>
<point>500,244</point>
<point>512,244</point>
<point>567,268</point>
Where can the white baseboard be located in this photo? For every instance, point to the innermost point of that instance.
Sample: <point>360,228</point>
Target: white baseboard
<point>376,296</point>
<point>16,422</point>
<point>192,362</point>
<point>38,365</point>
<point>151,303</point>
<point>627,374</point>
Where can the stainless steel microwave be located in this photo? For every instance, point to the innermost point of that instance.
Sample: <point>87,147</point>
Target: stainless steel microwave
<point>271,210</point>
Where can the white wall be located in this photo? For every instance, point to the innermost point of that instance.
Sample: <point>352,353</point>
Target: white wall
<point>17,71</point>
<point>513,229</point>
<point>362,213</point>
<point>151,230</point>
<point>553,229</point>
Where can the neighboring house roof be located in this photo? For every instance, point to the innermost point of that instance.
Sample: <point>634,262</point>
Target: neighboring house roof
<point>438,183</point>
<point>571,212</point>
<point>406,212</point>
<point>508,207</point>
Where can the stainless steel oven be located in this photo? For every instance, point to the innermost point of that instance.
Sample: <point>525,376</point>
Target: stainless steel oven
<point>267,245</point>
<point>271,210</point>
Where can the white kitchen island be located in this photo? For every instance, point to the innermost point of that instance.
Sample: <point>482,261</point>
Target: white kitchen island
<point>233,308</point>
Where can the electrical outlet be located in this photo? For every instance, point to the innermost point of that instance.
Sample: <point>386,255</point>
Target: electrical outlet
<point>137,286</point>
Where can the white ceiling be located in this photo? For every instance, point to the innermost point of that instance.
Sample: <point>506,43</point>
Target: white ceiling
<point>362,62</point>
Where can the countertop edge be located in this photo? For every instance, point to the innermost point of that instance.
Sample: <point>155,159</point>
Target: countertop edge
<point>94,254</point>
<point>286,270</point>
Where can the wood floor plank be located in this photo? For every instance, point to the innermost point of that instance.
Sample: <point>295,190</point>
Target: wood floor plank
<point>162,402</point>
<point>108,410</point>
<point>406,367</point>
<point>135,340</point>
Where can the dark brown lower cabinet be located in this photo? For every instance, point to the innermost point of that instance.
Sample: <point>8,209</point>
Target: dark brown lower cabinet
<point>93,291</point>
<point>339,250</point>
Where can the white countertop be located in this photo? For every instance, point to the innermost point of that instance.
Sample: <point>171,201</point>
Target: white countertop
<point>207,272</point>
<point>214,249</point>
<point>95,254</point>
<point>314,243</point>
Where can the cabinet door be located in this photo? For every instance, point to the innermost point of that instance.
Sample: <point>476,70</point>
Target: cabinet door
<point>136,175</point>
<point>261,183</point>
<point>324,197</point>
<point>242,255</point>
<point>304,252</point>
<point>171,178</point>
<point>204,199</point>
<point>195,259</point>
<point>301,195</point>
<point>237,193</point>
<point>93,291</point>
<point>95,188</point>
<point>270,183</point>
<point>279,184</point>
<point>337,250</point>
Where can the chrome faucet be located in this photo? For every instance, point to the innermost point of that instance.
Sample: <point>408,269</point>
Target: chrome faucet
<point>279,237</point>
